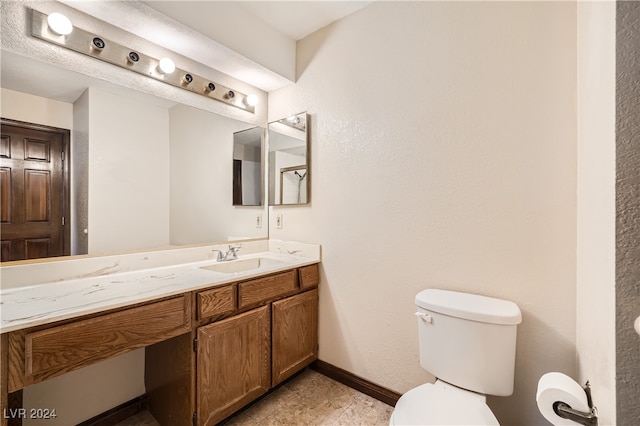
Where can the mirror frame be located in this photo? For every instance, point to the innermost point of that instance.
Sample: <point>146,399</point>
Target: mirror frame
<point>275,174</point>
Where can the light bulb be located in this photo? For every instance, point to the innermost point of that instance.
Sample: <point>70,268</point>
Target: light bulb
<point>251,100</point>
<point>59,24</point>
<point>167,66</point>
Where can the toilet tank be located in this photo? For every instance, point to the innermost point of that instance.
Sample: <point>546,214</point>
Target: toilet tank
<point>468,340</point>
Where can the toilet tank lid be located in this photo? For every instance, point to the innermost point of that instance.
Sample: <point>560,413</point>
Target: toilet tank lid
<point>469,306</point>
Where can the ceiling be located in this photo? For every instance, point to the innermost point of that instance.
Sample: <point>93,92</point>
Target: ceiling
<point>294,19</point>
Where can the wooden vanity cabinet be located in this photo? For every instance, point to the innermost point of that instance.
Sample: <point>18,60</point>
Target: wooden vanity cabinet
<point>216,302</point>
<point>265,289</point>
<point>169,378</point>
<point>43,352</point>
<point>234,367</point>
<point>309,276</point>
<point>294,334</point>
<point>241,357</point>
<point>208,353</point>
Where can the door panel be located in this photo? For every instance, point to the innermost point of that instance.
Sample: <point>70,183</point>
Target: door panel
<point>5,147</point>
<point>37,150</point>
<point>5,195</point>
<point>34,191</point>
<point>36,248</point>
<point>5,249</point>
<point>37,195</point>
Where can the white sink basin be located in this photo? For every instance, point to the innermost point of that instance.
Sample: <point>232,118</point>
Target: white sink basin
<point>242,265</point>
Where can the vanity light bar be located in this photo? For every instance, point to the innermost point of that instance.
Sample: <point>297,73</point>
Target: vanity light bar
<point>297,121</point>
<point>164,69</point>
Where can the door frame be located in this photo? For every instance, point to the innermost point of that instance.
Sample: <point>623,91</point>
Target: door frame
<point>65,134</point>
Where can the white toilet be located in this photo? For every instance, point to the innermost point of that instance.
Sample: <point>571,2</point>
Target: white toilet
<point>468,342</point>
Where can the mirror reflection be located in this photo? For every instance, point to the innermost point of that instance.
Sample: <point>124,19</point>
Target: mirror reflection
<point>247,167</point>
<point>288,161</point>
<point>144,172</point>
<point>203,146</point>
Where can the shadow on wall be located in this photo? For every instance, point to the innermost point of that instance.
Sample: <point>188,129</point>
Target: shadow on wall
<point>330,321</point>
<point>536,340</point>
<point>305,56</point>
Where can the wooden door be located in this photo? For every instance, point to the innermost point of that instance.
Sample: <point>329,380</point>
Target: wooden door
<point>233,364</point>
<point>34,191</point>
<point>294,334</point>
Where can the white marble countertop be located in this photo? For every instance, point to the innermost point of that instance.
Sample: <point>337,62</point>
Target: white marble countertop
<point>76,292</point>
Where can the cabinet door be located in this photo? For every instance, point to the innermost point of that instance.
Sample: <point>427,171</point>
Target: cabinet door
<point>233,364</point>
<point>294,335</point>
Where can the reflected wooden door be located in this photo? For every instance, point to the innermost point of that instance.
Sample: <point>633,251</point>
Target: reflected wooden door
<point>34,196</point>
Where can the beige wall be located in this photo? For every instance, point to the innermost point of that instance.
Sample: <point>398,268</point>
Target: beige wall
<point>596,204</point>
<point>128,174</point>
<point>35,109</point>
<point>443,154</point>
<point>82,394</point>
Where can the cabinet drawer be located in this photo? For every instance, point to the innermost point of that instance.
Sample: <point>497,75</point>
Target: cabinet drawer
<point>218,301</point>
<point>66,347</point>
<point>309,276</point>
<point>265,289</point>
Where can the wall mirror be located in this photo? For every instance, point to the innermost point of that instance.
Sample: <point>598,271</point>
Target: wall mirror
<point>247,167</point>
<point>289,177</point>
<point>146,173</point>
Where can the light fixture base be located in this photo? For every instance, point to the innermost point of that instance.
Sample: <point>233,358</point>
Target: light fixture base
<point>84,42</point>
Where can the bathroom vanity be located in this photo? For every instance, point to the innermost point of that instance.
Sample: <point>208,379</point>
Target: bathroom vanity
<point>214,341</point>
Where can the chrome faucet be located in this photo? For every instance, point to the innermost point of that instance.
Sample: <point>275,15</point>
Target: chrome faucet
<point>232,253</point>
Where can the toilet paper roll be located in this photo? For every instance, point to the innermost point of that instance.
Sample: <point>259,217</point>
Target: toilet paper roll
<point>554,387</point>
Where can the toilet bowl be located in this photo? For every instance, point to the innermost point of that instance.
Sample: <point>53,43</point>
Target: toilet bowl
<point>442,404</point>
<point>468,343</point>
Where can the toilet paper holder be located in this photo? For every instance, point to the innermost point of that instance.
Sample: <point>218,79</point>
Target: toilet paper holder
<point>565,411</point>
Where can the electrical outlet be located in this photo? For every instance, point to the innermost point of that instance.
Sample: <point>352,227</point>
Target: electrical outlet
<point>279,221</point>
<point>259,221</point>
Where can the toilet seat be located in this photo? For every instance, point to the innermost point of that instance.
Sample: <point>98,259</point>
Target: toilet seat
<point>442,404</point>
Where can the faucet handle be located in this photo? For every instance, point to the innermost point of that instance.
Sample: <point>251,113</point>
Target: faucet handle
<point>232,254</point>
<point>220,256</point>
<point>234,250</point>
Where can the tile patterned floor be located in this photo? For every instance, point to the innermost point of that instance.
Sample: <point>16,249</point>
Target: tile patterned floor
<point>308,399</point>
